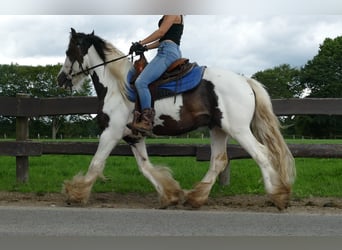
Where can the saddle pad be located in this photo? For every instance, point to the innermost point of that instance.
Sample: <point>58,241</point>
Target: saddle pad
<point>187,82</point>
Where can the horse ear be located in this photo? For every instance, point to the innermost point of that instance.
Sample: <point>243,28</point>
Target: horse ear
<point>73,31</point>
<point>93,33</point>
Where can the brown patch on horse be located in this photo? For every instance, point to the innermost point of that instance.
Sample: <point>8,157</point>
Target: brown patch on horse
<point>101,92</point>
<point>222,157</point>
<point>200,108</point>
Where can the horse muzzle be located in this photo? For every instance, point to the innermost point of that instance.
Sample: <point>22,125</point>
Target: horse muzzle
<point>64,81</point>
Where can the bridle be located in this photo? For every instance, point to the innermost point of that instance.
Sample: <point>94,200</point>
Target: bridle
<point>86,71</point>
<point>70,75</point>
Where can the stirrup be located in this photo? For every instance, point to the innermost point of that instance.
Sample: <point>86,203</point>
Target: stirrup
<point>138,133</point>
<point>144,132</point>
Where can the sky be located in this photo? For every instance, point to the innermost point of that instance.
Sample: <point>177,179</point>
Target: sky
<point>241,41</point>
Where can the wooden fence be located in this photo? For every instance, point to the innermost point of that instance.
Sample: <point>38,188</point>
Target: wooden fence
<point>23,107</point>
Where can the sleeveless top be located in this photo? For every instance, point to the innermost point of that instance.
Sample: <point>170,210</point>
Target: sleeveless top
<point>174,33</point>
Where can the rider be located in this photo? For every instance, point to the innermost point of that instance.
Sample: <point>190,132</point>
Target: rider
<point>167,39</point>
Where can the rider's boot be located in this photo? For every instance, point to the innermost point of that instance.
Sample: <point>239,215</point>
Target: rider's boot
<point>143,122</point>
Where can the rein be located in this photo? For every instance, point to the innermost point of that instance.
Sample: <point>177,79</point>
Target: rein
<point>98,65</point>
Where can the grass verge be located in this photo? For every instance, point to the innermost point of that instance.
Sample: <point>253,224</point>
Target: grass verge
<point>315,177</point>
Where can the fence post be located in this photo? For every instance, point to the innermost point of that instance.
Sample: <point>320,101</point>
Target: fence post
<point>22,134</point>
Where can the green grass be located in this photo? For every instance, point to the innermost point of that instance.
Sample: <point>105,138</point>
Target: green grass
<point>315,177</point>
<point>318,177</point>
<point>205,140</point>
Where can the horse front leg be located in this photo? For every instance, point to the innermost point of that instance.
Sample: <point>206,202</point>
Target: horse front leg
<point>169,190</point>
<point>78,189</point>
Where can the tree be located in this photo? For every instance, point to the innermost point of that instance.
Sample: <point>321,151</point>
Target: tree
<point>37,81</point>
<point>323,77</point>
<point>281,81</point>
<point>323,74</point>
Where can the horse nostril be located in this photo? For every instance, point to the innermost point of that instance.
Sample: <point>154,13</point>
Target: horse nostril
<point>68,84</point>
<point>62,79</point>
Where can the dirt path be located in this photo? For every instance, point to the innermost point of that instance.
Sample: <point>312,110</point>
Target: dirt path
<point>255,203</point>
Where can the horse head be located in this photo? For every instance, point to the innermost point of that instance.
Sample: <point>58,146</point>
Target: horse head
<point>74,70</point>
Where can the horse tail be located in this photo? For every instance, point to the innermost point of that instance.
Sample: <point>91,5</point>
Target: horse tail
<point>266,128</point>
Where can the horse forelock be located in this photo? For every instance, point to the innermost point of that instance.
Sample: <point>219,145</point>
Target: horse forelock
<point>85,41</point>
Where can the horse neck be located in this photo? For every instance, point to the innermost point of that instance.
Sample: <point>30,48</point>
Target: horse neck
<point>111,76</point>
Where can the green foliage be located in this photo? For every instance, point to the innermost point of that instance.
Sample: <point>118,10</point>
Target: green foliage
<point>39,81</point>
<point>319,126</point>
<point>281,81</point>
<point>323,76</point>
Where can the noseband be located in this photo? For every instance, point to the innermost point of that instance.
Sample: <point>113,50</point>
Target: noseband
<point>68,82</point>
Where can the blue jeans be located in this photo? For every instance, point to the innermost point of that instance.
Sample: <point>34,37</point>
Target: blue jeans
<point>168,52</point>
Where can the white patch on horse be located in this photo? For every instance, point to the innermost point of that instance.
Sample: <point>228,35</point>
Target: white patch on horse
<point>168,106</point>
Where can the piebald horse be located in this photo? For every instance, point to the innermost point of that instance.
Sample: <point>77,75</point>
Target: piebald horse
<point>230,105</point>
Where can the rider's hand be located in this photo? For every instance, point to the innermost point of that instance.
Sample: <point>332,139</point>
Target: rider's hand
<point>138,48</point>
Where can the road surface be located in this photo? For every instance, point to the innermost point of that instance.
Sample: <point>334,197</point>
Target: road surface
<point>66,221</point>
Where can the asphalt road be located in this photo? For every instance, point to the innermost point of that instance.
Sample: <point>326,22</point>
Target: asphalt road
<point>57,221</point>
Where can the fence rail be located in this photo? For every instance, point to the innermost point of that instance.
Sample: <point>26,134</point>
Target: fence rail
<point>32,107</point>
<point>201,152</point>
<point>22,107</point>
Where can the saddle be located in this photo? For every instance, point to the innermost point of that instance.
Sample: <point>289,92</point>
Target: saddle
<point>174,72</point>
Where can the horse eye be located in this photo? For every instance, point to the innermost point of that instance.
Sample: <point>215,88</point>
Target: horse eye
<point>68,53</point>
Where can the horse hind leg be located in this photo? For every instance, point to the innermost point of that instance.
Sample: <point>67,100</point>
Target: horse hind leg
<point>198,196</point>
<point>278,191</point>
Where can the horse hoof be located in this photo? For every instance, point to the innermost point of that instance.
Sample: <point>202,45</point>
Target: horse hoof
<point>193,200</point>
<point>198,196</point>
<point>77,190</point>
<point>194,204</point>
<point>281,200</point>
<point>171,200</point>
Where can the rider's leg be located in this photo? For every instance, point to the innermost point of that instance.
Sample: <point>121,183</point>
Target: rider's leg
<point>168,52</point>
